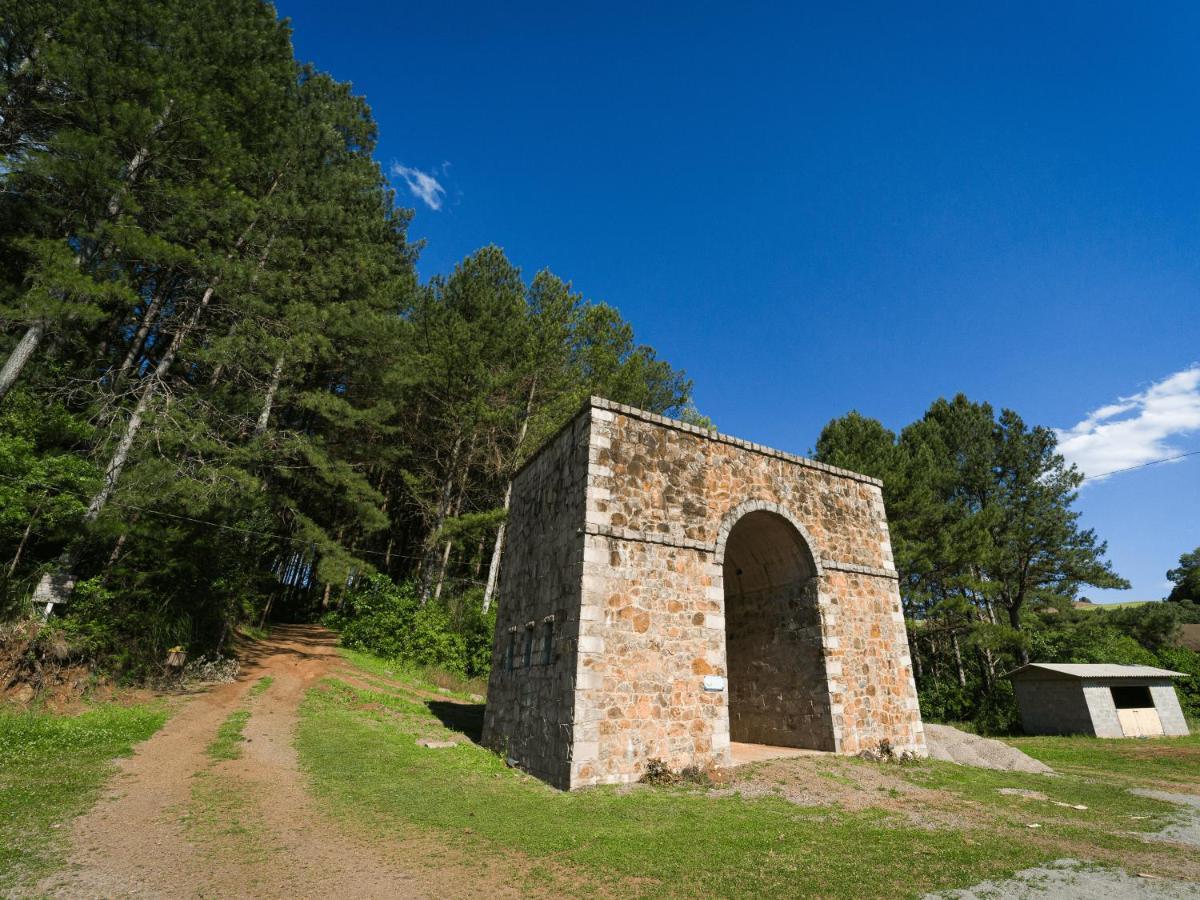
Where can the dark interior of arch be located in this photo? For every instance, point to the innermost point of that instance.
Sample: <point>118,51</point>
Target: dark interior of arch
<point>778,691</point>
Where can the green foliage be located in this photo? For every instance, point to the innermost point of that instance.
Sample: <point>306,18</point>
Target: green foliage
<point>990,554</point>
<point>390,621</point>
<point>125,630</point>
<point>1181,659</point>
<point>1186,577</point>
<point>43,482</point>
<point>51,769</point>
<point>239,402</point>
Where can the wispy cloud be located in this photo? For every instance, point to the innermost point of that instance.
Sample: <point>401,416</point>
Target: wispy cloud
<point>1135,429</point>
<point>424,186</point>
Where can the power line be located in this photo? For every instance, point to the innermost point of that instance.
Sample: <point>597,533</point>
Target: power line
<point>1153,462</point>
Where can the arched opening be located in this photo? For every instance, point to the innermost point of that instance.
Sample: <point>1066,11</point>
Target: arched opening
<point>778,691</point>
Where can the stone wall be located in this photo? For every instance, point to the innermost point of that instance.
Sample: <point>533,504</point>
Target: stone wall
<point>649,633</point>
<point>531,701</point>
<point>621,528</point>
<point>662,500</point>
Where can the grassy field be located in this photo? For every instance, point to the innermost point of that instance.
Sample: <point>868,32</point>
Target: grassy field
<point>52,768</point>
<point>937,826</point>
<point>824,826</point>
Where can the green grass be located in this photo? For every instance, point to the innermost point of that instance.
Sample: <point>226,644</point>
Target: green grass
<point>227,744</point>
<point>360,749</point>
<point>51,770</point>
<point>229,739</point>
<point>1174,759</point>
<point>425,678</point>
<point>223,819</point>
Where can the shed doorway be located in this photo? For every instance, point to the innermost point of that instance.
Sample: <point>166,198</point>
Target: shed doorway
<point>778,692</point>
<point>1136,711</point>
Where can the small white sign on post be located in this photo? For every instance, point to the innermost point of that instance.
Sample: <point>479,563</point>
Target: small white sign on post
<point>714,682</point>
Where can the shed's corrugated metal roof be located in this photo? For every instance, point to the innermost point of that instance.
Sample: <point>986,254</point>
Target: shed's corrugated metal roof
<point>1100,670</point>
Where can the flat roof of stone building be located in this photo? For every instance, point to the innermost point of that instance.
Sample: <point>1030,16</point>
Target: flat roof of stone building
<point>1096,670</point>
<point>710,433</point>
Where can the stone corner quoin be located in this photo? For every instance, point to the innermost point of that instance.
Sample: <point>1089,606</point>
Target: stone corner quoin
<point>667,589</point>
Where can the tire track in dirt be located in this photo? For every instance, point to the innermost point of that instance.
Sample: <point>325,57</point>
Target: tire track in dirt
<point>150,835</point>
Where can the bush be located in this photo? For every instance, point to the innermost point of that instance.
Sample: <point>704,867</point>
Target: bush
<point>125,634</point>
<point>1181,659</point>
<point>388,620</point>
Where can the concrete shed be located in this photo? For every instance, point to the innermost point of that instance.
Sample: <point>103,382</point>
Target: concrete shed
<point>1108,701</point>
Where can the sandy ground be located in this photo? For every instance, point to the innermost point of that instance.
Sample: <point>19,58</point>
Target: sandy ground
<point>1069,879</point>
<point>951,745</point>
<point>256,832</point>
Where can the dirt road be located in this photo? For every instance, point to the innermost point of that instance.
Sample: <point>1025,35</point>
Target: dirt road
<point>174,823</point>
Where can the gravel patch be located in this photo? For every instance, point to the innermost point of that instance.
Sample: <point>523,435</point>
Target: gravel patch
<point>1187,829</point>
<point>1069,879</point>
<point>951,745</point>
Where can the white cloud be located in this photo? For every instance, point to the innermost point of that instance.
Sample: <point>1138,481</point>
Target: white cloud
<point>1135,429</point>
<point>423,185</point>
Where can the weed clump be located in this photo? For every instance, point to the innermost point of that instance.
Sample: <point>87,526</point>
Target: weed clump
<point>659,773</point>
<point>884,752</point>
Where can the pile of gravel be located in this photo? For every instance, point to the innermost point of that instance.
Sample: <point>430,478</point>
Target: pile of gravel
<point>951,745</point>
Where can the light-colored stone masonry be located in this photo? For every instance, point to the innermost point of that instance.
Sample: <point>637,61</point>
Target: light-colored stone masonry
<point>673,558</point>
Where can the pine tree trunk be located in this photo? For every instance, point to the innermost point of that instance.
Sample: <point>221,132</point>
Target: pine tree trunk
<point>135,164</point>
<point>113,473</point>
<point>118,545</point>
<point>33,336</point>
<point>439,522</point>
<point>489,592</point>
<point>989,669</point>
<point>265,416</point>
<point>16,560</point>
<point>477,566</point>
<point>57,585</point>
<point>445,561</point>
<point>139,337</point>
<point>19,357</point>
<point>962,676</point>
<point>458,501</point>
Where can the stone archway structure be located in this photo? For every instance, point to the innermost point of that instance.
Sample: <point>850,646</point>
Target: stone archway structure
<point>777,685</point>
<point>667,588</point>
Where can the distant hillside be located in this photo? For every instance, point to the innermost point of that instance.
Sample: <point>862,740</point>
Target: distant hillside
<point>1189,637</point>
<point>1087,604</point>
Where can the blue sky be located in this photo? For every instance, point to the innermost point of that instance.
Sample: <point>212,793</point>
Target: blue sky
<point>839,207</point>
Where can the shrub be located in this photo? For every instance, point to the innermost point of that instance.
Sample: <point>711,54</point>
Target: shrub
<point>388,619</point>
<point>1187,661</point>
